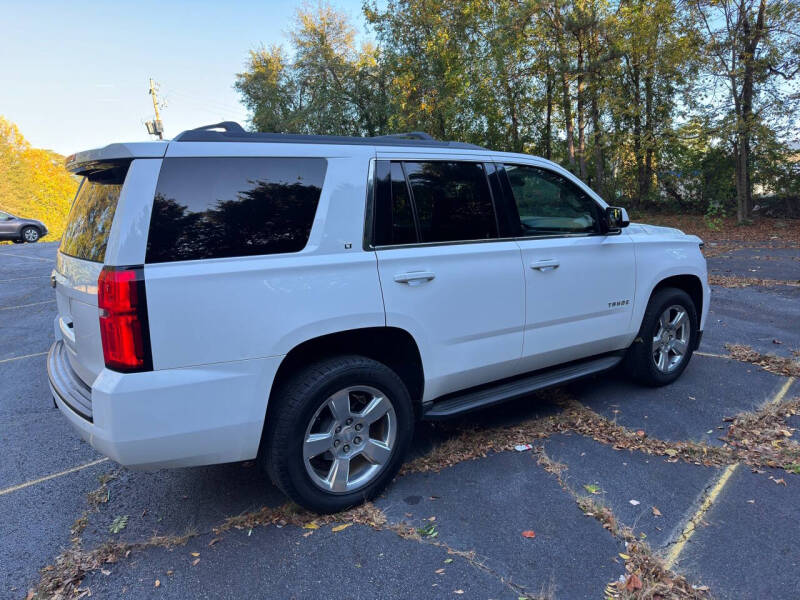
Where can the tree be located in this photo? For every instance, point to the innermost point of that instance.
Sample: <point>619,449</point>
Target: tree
<point>34,182</point>
<point>753,50</point>
<point>327,87</point>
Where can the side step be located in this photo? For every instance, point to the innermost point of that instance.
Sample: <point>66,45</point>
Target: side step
<point>486,396</point>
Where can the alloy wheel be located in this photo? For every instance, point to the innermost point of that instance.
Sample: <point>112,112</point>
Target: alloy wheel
<point>671,338</point>
<point>350,439</point>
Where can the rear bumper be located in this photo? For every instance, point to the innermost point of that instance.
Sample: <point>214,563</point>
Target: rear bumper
<point>174,417</point>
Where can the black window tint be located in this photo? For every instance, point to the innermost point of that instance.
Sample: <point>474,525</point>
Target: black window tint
<point>92,214</point>
<point>548,203</point>
<point>394,215</point>
<point>403,229</point>
<point>221,207</point>
<point>452,200</point>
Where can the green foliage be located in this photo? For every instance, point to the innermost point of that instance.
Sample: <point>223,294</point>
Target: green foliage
<point>34,183</point>
<point>621,93</point>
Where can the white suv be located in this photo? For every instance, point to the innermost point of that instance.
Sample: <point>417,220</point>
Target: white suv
<point>304,300</point>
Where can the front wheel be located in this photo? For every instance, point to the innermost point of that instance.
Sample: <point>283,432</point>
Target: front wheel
<point>337,433</point>
<point>666,338</point>
<point>30,235</point>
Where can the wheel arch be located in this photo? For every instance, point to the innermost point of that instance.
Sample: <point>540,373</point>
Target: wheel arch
<point>392,346</point>
<point>690,284</point>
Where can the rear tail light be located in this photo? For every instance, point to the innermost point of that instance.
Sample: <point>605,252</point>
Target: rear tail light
<point>124,329</point>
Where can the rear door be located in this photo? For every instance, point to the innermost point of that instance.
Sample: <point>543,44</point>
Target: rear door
<point>80,259</point>
<point>447,276</point>
<point>579,281</point>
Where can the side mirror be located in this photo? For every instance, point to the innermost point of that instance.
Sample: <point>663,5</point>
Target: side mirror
<point>616,218</point>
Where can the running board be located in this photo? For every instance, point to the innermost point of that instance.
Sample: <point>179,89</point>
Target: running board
<point>508,390</point>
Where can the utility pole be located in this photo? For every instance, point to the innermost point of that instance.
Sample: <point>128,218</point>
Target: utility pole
<point>155,127</point>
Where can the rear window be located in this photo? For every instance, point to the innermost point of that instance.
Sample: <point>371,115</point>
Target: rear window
<point>224,207</point>
<point>92,213</point>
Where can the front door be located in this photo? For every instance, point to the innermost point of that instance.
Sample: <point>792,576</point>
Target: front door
<point>446,276</point>
<point>579,281</point>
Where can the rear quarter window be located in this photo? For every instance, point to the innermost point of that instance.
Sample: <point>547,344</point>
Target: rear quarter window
<point>224,207</point>
<point>92,213</point>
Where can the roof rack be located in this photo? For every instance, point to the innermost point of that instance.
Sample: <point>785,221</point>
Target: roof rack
<point>230,131</point>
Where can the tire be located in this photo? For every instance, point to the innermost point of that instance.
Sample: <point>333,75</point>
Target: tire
<point>304,408</point>
<point>30,235</point>
<point>642,361</point>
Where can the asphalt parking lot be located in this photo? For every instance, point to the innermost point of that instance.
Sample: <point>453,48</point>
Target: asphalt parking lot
<point>449,530</point>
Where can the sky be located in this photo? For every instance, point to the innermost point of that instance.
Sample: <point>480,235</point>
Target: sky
<point>75,75</point>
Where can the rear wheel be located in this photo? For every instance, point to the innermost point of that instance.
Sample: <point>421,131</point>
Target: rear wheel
<point>666,339</point>
<point>30,235</point>
<point>338,432</point>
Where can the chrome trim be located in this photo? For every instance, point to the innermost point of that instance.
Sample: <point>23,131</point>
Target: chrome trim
<point>70,389</point>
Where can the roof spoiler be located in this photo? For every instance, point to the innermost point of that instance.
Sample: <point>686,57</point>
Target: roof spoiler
<point>84,162</point>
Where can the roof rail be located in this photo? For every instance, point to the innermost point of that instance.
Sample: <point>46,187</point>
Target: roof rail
<point>229,131</point>
<point>411,135</point>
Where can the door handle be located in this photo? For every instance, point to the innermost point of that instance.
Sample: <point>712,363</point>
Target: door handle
<point>548,264</point>
<point>414,277</point>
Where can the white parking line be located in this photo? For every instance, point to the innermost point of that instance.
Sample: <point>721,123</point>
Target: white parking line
<point>708,502</point>
<point>27,305</point>
<point>22,486</point>
<point>50,260</point>
<point>5,360</point>
<point>23,278</point>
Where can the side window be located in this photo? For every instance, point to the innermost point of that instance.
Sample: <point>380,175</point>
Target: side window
<point>4,216</point>
<point>394,214</point>
<point>452,201</point>
<point>222,207</point>
<point>550,204</point>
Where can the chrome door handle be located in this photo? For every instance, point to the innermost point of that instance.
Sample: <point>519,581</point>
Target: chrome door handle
<point>414,277</point>
<point>548,264</point>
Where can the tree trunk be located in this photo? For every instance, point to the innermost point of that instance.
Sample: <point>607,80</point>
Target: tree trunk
<point>568,124</point>
<point>597,137</point>
<point>548,126</point>
<point>649,134</point>
<point>581,117</point>
<point>641,173</point>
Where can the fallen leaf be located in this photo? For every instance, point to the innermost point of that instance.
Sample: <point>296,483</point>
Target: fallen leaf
<point>341,527</point>
<point>105,572</point>
<point>214,541</point>
<point>311,525</point>
<point>195,561</point>
<point>780,481</point>
<point>592,488</point>
<point>633,582</point>
<point>118,524</point>
<point>529,534</point>
<point>624,556</point>
<point>671,452</point>
<point>458,591</point>
<point>195,554</point>
<point>634,502</point>
<point>641,433</point>
<point>656,512</point>
<point>157,583</point>
<point>447,561</point>
<point>170,572</point>
<point>439,571</point>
